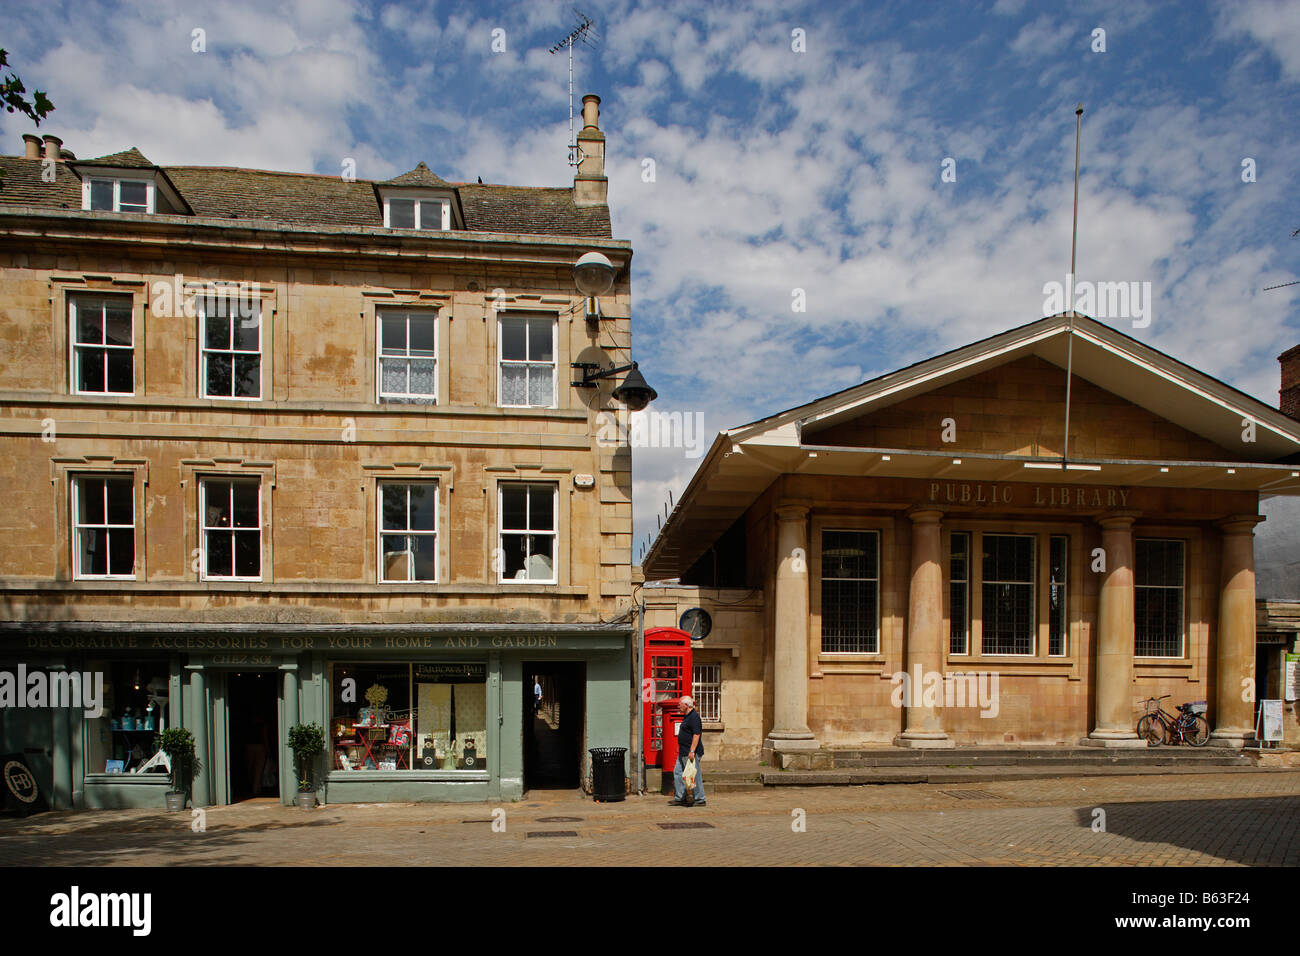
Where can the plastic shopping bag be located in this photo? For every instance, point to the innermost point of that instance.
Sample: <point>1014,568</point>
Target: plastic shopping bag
<point>688,772</point>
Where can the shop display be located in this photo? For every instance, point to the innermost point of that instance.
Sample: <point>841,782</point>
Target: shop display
<point>426,716</point>
<point>135,702</point>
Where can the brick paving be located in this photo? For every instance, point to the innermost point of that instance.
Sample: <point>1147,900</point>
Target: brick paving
<point>1211,819</point>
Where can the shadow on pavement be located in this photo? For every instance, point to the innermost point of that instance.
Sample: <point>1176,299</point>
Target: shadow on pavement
<point>102,837</point>
<point>1260,831</point>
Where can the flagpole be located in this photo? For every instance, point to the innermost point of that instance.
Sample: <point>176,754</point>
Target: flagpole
<point>1074,247</point>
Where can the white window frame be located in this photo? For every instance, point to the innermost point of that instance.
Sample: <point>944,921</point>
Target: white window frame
<point>79,573</point>
<point>151,192</point>
<point>707,690</point>
<point>502,361</point>
<point>204,482</point>
<point>969,582</point>
<point>1182,588</point>
<point>74,302</point>
<point>381,533</point>
<point>1032,584</point>
<point>502,531</point>
<point>400,397</point>
<point>444,219</point>
<point>202,306</point>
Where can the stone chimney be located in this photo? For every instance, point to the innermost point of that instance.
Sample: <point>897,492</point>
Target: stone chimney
<point>52,145</point>
<point>590,185</point>
<point>31,146</point>
<point>1289,394</point>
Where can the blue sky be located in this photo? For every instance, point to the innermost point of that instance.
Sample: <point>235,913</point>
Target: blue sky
<point>775,170</point>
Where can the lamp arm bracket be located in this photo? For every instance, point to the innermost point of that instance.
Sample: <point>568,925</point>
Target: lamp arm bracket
<point>591,372</point>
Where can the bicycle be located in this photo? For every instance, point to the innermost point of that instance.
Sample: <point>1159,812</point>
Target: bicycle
<point>1159,726</point>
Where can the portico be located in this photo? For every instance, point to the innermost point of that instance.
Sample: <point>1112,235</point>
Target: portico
<point>1078,588</point>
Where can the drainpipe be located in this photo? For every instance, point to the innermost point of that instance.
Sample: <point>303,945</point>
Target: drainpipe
<point>638,775</point>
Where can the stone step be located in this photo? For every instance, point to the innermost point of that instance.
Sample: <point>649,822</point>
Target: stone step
<point>899,775</point>
<point>971,757</point>
<point>954,759</point>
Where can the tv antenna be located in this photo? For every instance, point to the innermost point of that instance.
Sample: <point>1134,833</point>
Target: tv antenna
<point>585,32</point>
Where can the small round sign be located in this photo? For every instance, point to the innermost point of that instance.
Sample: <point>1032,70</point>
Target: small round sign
<point>20,781</point>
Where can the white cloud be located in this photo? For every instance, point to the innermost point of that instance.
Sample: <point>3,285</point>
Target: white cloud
<point>1274,24</point>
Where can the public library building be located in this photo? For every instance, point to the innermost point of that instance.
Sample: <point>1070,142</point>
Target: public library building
<point>925,523</point>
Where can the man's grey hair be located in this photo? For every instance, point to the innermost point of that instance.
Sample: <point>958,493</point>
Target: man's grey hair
<point>688,702</point>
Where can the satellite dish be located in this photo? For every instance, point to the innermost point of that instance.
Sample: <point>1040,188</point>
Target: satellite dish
<point>697,622</point>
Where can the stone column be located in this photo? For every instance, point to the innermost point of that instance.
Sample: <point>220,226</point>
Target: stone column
<point>201,791</point>
<point>923,655</point>
<point>1113,677</point>
<point>1234,708</point>
<point>790,672</point>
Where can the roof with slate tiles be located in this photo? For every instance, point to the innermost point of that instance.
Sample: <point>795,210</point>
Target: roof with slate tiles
<point>313,199</point>
<point>130,158</point>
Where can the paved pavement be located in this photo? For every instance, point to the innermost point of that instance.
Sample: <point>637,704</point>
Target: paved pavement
<point>1211,819</point>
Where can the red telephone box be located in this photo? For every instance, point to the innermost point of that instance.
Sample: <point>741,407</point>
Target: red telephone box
<point>667,680</point>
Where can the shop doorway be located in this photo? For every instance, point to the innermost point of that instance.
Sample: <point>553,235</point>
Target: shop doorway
<point>253,737</point>
<point>555,729</point>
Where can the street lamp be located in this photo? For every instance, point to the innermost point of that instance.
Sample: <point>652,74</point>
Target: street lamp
<point>593,274</point>
<point>635,392</point>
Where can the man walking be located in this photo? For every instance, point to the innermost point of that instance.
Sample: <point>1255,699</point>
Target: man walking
<point>690,743</point>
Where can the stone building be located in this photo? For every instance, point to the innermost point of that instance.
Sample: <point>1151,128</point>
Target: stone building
<point>921,560</point>
<point>283,447</point>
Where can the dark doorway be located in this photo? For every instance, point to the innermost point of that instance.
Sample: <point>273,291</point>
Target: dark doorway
<point>554,729</point>
<point>253,737</point>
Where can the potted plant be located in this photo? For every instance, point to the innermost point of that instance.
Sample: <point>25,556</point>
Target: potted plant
<point>306,741</point>
<point>178,744</point>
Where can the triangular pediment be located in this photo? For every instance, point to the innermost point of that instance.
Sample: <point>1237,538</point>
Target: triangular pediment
<point>1018,408</point>
<point>1018,378</point>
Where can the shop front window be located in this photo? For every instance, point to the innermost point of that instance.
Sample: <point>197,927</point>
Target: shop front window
<point>135,702</point>
<point>420,716</point>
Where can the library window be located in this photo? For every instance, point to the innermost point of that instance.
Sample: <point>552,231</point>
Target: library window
<point>850,592</point>
<point>1008,594</point>
<point>1158,597</point>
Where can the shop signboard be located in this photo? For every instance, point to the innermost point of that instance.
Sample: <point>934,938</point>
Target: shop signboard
<point>1270,716</point>
<point>1291,678</point>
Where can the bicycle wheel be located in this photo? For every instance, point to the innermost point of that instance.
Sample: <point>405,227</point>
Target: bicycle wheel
<point>1198,732</point>
<point>1152,730</point>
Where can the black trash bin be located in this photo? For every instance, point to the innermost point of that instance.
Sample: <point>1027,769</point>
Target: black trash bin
<point>607,774</point>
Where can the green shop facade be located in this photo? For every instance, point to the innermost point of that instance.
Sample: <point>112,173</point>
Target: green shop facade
<point>437,712</point>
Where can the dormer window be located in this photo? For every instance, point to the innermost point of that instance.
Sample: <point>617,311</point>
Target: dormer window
<point>117,195</point>
<point>412,212</point>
